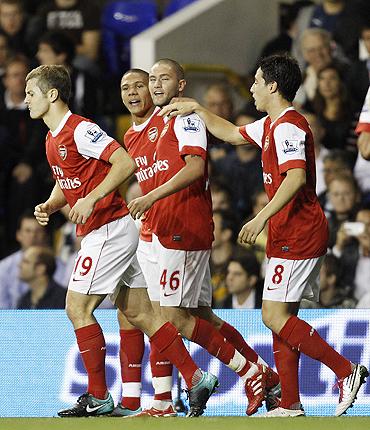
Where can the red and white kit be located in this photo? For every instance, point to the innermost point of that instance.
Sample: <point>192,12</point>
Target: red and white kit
<point>140,142</point>
<point>78,152</point>
<point>287,143</point>
<point>182,222</point>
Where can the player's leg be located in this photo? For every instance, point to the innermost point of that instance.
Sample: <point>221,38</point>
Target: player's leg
<point>134,303</point>
<point>287,281</point>
<point>91,343</point>
<point>131,355</point>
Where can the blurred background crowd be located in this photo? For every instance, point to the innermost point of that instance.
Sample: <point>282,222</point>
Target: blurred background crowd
<point>330,39</point>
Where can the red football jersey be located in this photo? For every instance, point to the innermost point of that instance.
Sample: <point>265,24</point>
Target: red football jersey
<point>364,120</point>
<point>183,220</point>
<point>78,152</point>
<point>299,230</point>
<point>140,142</point>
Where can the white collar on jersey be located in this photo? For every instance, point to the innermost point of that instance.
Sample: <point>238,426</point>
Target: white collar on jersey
<point>282,113</point>
<point>61,124</point>
<point>140,127</point>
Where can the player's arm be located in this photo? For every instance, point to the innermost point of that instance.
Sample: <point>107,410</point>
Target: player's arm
<point>294,180</point>
<point>193,170</point>
<point>219,127</point>
<point>55,202</point>
<point>363,143</point>
<point>122,167</point>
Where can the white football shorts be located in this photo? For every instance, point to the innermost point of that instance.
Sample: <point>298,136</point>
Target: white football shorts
<point>183,277</point>
<point>292,280</point>
<point>107,257</point>
<point>149,266</point>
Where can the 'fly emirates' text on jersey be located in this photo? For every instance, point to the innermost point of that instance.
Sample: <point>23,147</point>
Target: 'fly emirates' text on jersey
<point>299,230</point>
<point>183,220</point>
<point>140,142</point>
<point>78,152</point>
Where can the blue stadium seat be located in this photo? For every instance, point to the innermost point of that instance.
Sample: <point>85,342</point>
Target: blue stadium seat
<point>121,20</point>
<point>175,5</point>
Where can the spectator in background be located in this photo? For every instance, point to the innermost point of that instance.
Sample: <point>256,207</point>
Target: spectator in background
<point>221,195</point>
<point>223,247</point>
<point>13,26</point>
<point>353,250</point>
<point>344,197</point>
<point>23,154</point>
<point>80,19</point>
<point>29,233</point>
<point>58,48</point>
<point>335,163</point>
<point>217,98</point>
<point>317,52</point>
<point>334,108</point>
<point>243,283</point>
<point>4,56</point>
<point>333,293</point>
<point>36,269</point>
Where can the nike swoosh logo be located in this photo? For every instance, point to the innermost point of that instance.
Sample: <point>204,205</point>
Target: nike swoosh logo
<point>270,289</point>
<point>93,409</point>
<point>168,295</point>
<point>77,280</point>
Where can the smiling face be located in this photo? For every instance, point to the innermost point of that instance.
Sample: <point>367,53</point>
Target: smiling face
<point>135,95</point>
<point>36,101</point>
<point>164,83</point>
<point>260,91</point>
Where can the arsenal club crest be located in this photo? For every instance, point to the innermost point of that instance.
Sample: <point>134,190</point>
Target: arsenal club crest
<point>153,134</point>
<point>267,143</point>
<point>62,152</point>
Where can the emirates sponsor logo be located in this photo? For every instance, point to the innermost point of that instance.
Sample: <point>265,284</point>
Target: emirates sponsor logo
<point>62,152</point>
<point>153,134</point>
<point>148,172</point>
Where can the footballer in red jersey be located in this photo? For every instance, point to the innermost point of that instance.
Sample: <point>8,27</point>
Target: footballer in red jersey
<point>88,167</point>
<point>182,230</point>
<point>297,234</point>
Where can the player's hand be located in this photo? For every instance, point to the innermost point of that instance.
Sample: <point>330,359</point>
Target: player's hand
<point>42,213</point>
<point>140,205</point>
<point>363,144</point>
<point>81,210</point>
<point>251,230</point>
<point>179,106</point>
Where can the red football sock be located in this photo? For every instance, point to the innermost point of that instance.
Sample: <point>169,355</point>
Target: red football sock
<point>91,344</point>
<point>300,335</point>
<point>162,374</point>
<point>131,354</point>
<point>238,342</point>
<point>205,335</point>
<point>287,361</point>
<point>169,342</point>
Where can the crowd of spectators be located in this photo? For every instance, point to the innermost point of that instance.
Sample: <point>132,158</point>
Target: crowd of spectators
<point>331,40</point>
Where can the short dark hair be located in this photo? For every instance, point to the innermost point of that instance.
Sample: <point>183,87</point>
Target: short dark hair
<point>50,77</point>
<point>60,43</point>
<point>284,70</point>
<point>332,266</point>
<point>248,262</point>
<point>46,257</point>
<point>27,214</point>
<point>139,71</point>
<point>174,65</point>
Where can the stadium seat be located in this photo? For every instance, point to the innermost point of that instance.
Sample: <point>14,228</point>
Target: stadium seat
<point>175,5</point>
<point>122,20</point>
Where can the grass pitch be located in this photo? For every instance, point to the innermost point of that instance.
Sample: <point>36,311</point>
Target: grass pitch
<point>202,423</point>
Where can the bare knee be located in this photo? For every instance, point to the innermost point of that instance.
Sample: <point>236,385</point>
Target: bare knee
<point>276,314</point>
<point>181,319</point>
<point>206,313</point>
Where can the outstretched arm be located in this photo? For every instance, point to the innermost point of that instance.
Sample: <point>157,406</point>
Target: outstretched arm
<point>193,169</point>
<point>294,180</point>
<point>122,168</point>
<point>219,127</point>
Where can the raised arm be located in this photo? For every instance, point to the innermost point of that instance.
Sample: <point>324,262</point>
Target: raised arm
<point>219,127</point>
